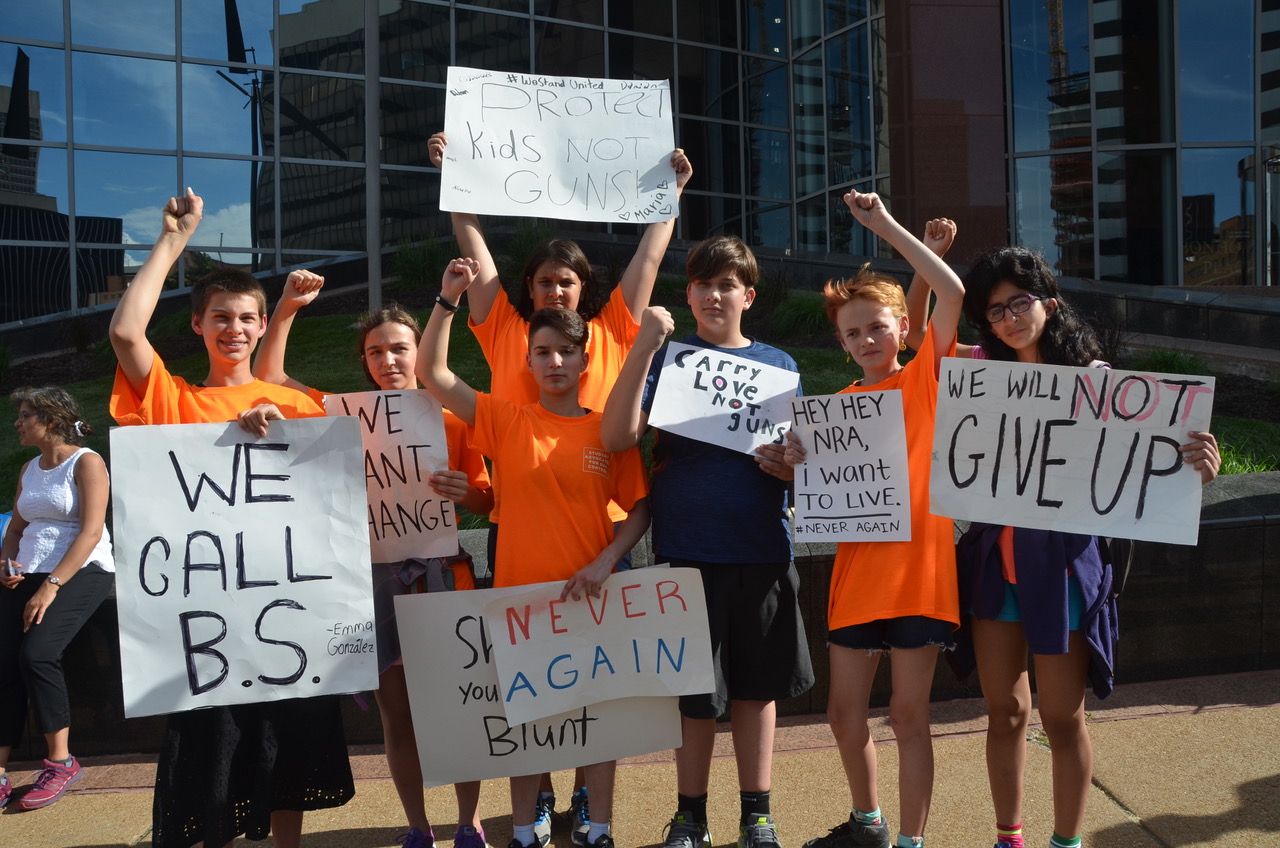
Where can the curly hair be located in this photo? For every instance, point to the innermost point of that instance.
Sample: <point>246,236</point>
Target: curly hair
<point>57,410</point>
<point>392,313</point>
<point>1067,339</point>
<point>865,285</point>
<point>561,252</point>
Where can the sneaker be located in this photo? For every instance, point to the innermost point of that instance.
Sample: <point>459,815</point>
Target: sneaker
<point>414,838</point>
<point>760,834</point>
<point>53,780</point>
<point>683,832</point>
<point>546,805</point>
<point>851,833</point>
<point>579,817</point>
<point>604,840</point>
<point>5,789</point>
<point>467,836</point>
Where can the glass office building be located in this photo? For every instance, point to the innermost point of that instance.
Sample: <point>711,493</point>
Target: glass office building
<point>1126,145</point>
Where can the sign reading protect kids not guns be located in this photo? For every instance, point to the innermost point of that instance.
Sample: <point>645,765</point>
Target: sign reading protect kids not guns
<point>724,400</point>
<point>404,444</point>
<point>1080,450</point>
<point>853,485</point>
<point>646,634</point>
<point>243,564</point>
<point>462,731</point>
<point>573,148</point>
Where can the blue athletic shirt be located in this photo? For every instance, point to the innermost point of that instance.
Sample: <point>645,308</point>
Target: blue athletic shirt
<point>709,503</point>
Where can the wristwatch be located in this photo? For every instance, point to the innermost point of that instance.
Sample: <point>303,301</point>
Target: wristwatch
<point>56,581</point>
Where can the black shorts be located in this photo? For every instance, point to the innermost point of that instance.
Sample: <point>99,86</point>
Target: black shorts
<point>759,651</point>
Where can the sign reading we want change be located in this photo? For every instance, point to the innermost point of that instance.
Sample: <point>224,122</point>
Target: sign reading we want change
<point>853,485</point>
<point>721,399</point>
<point>460,708</point>
<point>404,444</point>
<point>560,147</point>
<point>242,564</point>
<point>1080,450</point>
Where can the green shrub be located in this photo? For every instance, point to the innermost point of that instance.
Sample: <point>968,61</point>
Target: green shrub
<point>420,264</point>
<point>1167,361</point>
<point>800,318</point>
<point>529,233</point>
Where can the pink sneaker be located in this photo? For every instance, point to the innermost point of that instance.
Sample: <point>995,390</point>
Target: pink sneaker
<point>5,789</point>
<point>52,782</point>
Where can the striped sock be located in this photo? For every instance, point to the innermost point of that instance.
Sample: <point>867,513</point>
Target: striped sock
<point>1064,841</point>
<point>872,817</point>
<point>1009,835</point>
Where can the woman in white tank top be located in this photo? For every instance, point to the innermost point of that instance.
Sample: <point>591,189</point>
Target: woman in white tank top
<point>57,569</point>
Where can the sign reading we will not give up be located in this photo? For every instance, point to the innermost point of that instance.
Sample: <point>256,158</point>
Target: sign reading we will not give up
<point>579,148</point>
<point>1079,450</point>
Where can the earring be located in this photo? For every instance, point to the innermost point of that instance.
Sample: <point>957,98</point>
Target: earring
<point>848,357</point>
<point>902,345</point>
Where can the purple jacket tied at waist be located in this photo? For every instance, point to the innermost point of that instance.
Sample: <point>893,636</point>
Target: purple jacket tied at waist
<point>1045,560</point>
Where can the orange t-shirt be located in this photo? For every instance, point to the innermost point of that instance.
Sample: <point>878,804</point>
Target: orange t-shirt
<point>877,580</point>
<point>172,400</point>
<point>504,339</point>
<point>557,483</point>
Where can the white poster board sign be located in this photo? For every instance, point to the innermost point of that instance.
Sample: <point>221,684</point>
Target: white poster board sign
<point>646,634</point>
<point>574,148</point>
<point>1080,450</point>
<point>404,444</point>
<point>853,485</point>
<point>725,400</point>
<point>458,719</point>
<point>242,564</point>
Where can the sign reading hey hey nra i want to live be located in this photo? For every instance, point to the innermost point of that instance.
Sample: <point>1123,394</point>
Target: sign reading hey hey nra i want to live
<point>575,148</point>
<point>404,444</point>
<point>242,564</point>
<point>1080,450</point>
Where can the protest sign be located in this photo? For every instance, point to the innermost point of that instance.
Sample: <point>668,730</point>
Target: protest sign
<point>722,399</point>
<point>242,564</point>
<point>853,485</point>
<point>1081,450</point>
<point>559,147</point>
<point>458,719</point>
<point>404,444</point>
<point>646,634</point>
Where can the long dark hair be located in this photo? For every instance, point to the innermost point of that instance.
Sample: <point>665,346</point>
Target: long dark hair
<point>562,252</point>
<point>57,410</point>
<point>1067,339</point>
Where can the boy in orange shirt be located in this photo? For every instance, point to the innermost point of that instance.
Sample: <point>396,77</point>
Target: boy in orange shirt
<point>250,768</point>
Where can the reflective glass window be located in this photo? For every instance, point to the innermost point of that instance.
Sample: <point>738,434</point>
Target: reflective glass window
<point>578,11</point>
<point>410,113</point>
<point>230,189</point>
<point>807,121</point>
<point>768,163</point>
<point>1049,58</point>
<point>34,177</point>
<point>1217,217</point>
<point>1135,217</point>
<point>711,216</point>
<point>320,117</point>
<point>414,42</point>
<point>1269,72</point>
<point>1270,225</point>
<point>504,5</point>
<point>848,107</point>
<point>219,116</point>
<point>715,151</point>
<point>321,208</point>
<point>139,26</point>
<point>879,95</point>
<point>631,57</point>
<point>325,36</point>
<point>1054,204</point>
<point>46,91</point>
<point>708,21</point>
<point>708,84</point>
<point>1134,72</point>
<point>34,20</point>
<point>411,207</point>
<point>1216,68</point>
<point>565,51</point>
<point>806,23</point>
<point>34,280</point>
<point>124,102</point>
<point>98,269</point>
<point>841,13</point>
<point>128,186</point>
<point>769,226</point>
<point>494,42</point>
<point>652,17</point>
<point>766,92</point>
<point>205,28</point>
<point>766,25</point>
<point>811,225</point>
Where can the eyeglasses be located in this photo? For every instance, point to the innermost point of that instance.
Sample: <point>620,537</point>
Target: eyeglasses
<point>1016,306</point>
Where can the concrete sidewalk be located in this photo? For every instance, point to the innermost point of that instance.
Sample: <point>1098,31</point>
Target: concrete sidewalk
<point>1178,763</point>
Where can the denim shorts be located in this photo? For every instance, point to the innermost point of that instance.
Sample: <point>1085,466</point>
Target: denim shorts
<point>885,634</point>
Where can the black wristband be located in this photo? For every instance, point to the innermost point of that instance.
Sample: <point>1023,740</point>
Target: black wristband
<point>452,307</point>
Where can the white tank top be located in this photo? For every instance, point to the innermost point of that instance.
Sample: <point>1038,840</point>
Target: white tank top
<point>50,503</point>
